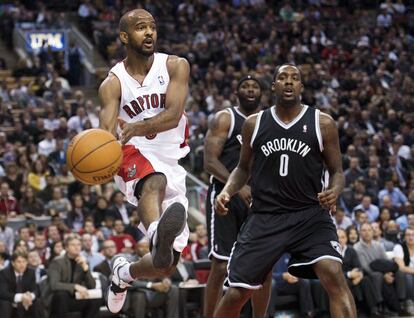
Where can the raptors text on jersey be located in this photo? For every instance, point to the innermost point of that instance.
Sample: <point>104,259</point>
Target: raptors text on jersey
<point>141,101</point>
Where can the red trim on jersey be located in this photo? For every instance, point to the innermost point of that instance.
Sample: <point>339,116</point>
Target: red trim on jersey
<point>134,164</point>
<point>186,132</point>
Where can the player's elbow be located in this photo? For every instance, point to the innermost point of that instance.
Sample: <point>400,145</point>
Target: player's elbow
<point>208,164</point>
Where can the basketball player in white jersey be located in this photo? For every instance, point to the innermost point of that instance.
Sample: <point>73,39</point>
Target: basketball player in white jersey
<point>143,104</point>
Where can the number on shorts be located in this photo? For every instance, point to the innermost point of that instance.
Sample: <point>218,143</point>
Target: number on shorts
<point>284,163</point>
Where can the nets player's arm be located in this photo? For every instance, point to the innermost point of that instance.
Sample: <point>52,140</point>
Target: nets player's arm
<point>333,161</point>
<point>213,145</point>
<point>176,95</point>
<point>239,176</point>
<point>109,96</point>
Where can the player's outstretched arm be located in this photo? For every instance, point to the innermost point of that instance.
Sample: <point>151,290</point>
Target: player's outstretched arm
<point>179,71</point>
<point>333,160</point>
<point>109,96</point>
<point>239,176</point>
<point>213,145</point>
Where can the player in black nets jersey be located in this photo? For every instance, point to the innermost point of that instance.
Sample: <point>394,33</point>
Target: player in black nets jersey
<point>221,155</point>
<point>285,149</point>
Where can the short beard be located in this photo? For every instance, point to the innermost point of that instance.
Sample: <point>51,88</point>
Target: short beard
<point>287,103</point>
<point>248,105</point>
<point>139,51</point>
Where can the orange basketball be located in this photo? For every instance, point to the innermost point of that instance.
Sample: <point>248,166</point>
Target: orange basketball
<point>94,156</point>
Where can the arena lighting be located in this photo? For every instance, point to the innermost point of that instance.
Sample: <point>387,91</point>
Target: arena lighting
<point>35,40</point>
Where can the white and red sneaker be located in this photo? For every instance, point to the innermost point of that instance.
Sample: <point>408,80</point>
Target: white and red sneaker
<point>117,290</point>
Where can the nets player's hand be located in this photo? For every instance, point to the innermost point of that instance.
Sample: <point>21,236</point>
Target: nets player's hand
<point>221,202</point>
<point>327,199</point>
<point>246,195</point>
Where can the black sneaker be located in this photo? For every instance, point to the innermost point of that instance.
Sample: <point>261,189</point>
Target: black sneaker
<point>170,225</point>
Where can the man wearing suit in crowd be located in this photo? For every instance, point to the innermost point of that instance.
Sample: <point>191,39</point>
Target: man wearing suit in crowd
<point>35,263</point>
<point>18,290</point>
<point>361,286</point>
<point>69,275</point>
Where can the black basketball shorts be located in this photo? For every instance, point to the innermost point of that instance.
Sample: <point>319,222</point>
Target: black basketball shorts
<point>223,230</point>
<point>309,236</point>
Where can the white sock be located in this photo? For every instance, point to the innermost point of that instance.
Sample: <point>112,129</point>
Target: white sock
<point>124,273</point>
<point>151,229</point>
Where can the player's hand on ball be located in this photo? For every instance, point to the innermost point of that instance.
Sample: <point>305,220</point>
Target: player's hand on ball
<point>222,199</point>
<point>129,130</point>
<point>246,195</point>
<point>327,199</point>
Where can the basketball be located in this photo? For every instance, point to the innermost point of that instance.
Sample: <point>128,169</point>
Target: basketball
<point>94,156</point>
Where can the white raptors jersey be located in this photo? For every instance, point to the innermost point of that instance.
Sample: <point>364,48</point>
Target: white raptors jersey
<point>140,102</point>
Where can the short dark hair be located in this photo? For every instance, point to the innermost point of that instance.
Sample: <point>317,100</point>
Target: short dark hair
<point>70,237</point>
<point>285,64</point>
<point>123,23</point>
<point>18,254</point>
<point>359,211</point>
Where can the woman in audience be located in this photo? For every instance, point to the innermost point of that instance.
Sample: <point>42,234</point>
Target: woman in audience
<point>15,178</point>
<point>56,249</point>
<point>384,217</point>
<point>21,247</point>
<point>352,235</point>
<point>23,164</point>
<point>37,176</point>
<point>30,205</point>
<point>100,211</point>
<point>78,214</point>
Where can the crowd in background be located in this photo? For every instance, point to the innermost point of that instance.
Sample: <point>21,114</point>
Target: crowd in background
<point>357,65</point>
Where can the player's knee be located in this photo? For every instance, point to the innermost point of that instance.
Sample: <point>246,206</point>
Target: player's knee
<point>237,296</point>
<point>155,183</point>
<point>332,277</point>
<point>219,267</point>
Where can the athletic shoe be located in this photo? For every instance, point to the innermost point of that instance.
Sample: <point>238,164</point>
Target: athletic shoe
<point>118,289</point>
<point>170,225</point>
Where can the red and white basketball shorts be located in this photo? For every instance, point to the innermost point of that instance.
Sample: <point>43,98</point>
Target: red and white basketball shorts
<point>136,165</point>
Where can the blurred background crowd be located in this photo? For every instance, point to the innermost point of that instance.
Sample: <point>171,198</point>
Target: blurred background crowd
<point>357,64</point>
